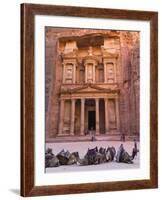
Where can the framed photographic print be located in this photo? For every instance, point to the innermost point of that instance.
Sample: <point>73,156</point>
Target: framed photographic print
<point>88,99</point>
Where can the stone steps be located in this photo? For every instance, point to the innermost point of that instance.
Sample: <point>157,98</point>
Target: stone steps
<point>110,137</point>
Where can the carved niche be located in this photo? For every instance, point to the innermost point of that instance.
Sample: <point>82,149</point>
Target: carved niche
<point>68,73</point>
<point>89,73</point>
<point>110,72</point>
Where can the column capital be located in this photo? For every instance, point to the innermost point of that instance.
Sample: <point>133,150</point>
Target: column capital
<point>61,99</point>
<point>82,99</point>
<point>106,99</point>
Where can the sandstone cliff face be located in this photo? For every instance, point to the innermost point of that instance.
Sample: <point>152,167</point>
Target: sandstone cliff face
<point>129,101</point>
<point>128,76</point>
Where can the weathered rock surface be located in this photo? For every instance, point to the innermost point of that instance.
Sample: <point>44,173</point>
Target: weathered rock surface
<point>126,43</point>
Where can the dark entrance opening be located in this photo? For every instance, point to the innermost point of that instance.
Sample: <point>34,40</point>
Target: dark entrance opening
<point>91,120</point>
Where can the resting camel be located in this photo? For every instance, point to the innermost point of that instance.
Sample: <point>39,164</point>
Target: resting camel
<point>50,159</point>
<point>123,156</point>
<point>95,156</point>
<point>110,153</point>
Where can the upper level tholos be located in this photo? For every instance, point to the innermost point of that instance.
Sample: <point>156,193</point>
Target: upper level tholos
<point>90,59</point>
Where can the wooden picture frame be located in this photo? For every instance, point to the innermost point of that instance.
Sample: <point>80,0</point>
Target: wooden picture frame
<point>28,12</point>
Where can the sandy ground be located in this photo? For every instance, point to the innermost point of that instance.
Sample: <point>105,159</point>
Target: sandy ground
<point>82,147</point>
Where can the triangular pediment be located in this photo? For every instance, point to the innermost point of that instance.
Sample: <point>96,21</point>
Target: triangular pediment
<point>88,88</point>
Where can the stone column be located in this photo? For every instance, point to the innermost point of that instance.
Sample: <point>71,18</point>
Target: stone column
<point>63,73</point>
<point>82,117</point>
<point>106,116</point>
<point>85,73</point>
<point>97,116</point>
<point>115,72</point>
<point>74,73</point>
<point>72,116</point>
<point>61,122</point>
<point>105,73</point>
<point>117,113</point>
<point>94,73</point>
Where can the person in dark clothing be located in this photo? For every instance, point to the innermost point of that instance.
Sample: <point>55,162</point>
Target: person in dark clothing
<point>120,153</point>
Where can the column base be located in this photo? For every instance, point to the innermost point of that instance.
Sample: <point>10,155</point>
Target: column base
<point>63,134</point>
<point>59,134</point>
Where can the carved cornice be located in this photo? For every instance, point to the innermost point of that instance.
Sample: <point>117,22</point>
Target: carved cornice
<point>90,59</point>
<point>72,54</point>
<point>109,53</point>
<point>81,89</point>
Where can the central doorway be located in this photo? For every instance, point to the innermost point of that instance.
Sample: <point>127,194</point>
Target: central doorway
<point>92,120</point>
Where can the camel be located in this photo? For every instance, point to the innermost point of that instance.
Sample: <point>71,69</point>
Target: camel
<point>82,161</point>
<point>123,156</point>
<point>95,156</point>
<point>63,157</point>
<point>67,158</point>
<point>73,158</point>
<point>53,162</point>
<point>50,159</point>
<point>110,153</point>
<point>92,157</point>
<point>89,158</point>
